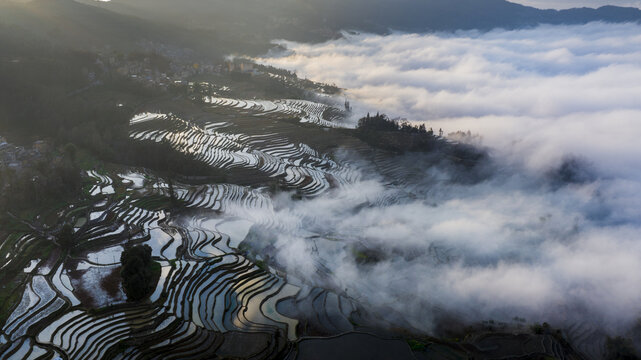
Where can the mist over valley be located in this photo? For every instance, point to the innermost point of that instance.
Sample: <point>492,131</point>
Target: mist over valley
<point>319,179</point>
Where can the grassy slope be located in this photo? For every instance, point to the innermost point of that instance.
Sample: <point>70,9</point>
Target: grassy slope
<point>71,24</point>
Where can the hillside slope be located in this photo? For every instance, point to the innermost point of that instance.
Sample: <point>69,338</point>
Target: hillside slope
<point>321,19</point>
<point>70,24</point>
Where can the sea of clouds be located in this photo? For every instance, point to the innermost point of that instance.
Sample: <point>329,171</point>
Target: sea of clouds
<point>567,4</point>
<point>518,243</point>
<point>534,94</point>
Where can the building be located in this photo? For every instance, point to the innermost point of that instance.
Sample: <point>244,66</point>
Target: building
<point>243,66</point>
<point>41,146</point>
<point>348,106</point>
<point>246,67</point>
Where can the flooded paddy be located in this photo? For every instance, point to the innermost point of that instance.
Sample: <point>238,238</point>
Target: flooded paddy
<point>210,297</point>
<point>248,270</point>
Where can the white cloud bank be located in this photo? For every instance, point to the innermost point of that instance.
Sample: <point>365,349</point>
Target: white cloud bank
<point>515,245</point>
<point>567,4</point>
<point>536,94</point>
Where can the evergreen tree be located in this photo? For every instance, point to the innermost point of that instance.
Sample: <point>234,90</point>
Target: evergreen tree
<point>137,272</point>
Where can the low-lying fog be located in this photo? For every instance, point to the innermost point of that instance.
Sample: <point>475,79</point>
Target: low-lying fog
<point>568,4</point>
<point>520,243</point>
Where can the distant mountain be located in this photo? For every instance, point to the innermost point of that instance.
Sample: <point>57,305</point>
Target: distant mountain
<point>214,28</point>
<point>320,19</point>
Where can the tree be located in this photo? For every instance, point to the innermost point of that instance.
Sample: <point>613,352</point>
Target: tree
<point>138,272</point>
<point>66,238</point>
<point>172,192</point>
<point>619,348</point>
<point>70,151</point>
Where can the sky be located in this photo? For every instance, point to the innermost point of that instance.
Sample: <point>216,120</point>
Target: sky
<point>517,244</point>
<point>566,4</point>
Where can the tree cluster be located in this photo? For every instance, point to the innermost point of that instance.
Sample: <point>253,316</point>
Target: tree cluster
<point>381,122</point>
<point>48,92</point>
<point>137,272</point>
<point>382,132</point>
<point>38,179</point>
<point>620,348</point>
<point>65,237</point>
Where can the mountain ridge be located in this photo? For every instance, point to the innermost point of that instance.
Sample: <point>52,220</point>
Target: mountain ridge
<point>313,20</point>
<point>218,27</point>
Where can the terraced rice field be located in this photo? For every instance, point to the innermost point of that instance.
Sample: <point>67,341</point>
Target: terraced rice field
<point>215,298</point>
<point>296,165</point>
<point>210,300</point>
<point>306,111</point>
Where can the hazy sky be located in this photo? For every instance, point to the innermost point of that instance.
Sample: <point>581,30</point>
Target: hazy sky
<point>565,4</point>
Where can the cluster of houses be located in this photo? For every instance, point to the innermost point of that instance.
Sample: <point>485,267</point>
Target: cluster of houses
<point>465,137</point>
<point>13,157</point>
<point>180,68</point>
<point>242,66</point>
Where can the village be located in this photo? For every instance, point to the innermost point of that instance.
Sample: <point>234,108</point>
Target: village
<point>159,68</point>
<point>13,157</point>
<point>166,69</point>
